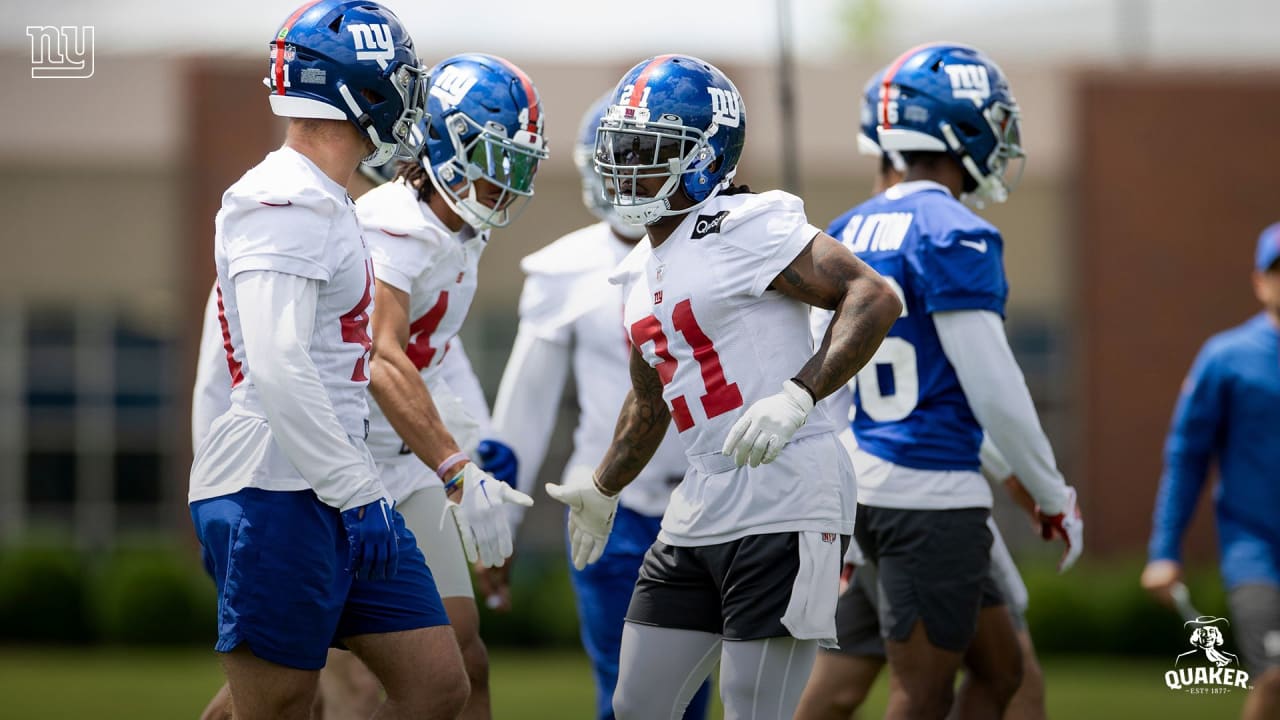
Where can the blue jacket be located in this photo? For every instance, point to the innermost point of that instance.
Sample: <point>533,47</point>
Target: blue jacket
<point>1229,411</point>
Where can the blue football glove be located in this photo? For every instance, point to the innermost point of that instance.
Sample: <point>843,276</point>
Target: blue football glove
<point>374,553</point>
<point>499,460</point>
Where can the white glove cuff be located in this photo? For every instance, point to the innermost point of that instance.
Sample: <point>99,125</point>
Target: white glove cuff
<point>798,395</point>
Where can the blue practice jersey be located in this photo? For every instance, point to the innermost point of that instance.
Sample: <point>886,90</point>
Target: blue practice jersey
<point>1229,412</point>
<point>940,256</point>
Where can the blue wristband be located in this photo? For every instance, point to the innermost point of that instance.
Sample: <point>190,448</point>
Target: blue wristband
<point>455,482</point>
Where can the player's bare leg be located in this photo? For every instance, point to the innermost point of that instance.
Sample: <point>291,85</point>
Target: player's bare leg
<point>1028,702</point>
<point>263,690</point>
<point>348,688</point>
<point>465,619</point>
<point>219,708</point>
<point>994,666</point>
<point>925,675</point>
<point>421,670</point>
<point>1263,702</point>
<point>838,686</point>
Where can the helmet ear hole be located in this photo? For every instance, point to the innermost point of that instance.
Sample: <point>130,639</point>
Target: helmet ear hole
<point>373,96</point>
<point>967,129</point>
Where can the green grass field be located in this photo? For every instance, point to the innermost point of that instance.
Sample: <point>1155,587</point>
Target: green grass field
<point>42,684</point>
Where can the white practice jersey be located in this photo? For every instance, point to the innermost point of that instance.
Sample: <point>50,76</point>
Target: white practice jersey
<point>286,216</point>
<point>211,395</point>
<point>568,301</point>
<point>415,253</point>
<point>700,310</point>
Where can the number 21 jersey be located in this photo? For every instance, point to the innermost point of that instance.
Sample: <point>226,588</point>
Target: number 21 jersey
<point>700,311</point>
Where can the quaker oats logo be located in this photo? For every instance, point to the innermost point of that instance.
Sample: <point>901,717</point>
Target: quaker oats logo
<point>1207,668</point>
<point>61,52</point>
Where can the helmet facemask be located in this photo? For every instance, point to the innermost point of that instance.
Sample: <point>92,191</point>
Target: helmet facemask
<point>595,197</point>
<point>485,152</point>
<point>408,81</point>
<point>631,148</point>
<point>1005,163</point>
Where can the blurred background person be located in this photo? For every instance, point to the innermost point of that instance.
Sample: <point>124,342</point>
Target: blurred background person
<point>1228,415</point>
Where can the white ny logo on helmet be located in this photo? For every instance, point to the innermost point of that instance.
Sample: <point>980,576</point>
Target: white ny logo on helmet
<point>969,82</point>
<point>373,42</point>
<point>726,108</point>
<point>452,85</point>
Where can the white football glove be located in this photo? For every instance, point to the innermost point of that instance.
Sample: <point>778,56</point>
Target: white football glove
<point>1068,525</point>
<point>767,426</point>
<point>590,514</point>
<point>481,517</point>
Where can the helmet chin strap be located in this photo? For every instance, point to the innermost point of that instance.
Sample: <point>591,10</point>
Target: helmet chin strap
<point>624,229</point>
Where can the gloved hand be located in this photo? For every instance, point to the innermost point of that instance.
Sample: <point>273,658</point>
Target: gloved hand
<point>481,517</point>
<point>499,460</point>
<point>1068,525</point>
<point>590,514</point>
<point>853,558</point>
<point>767,426</point>
<point>374,553</point>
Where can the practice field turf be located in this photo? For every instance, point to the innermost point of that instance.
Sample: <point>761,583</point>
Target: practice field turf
<point>42,684</point>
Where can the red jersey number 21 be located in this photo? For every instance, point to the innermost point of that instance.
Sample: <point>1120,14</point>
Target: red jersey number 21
<point>721,396</point>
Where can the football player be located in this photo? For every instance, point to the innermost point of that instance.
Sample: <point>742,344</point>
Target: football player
<point>571,318</point>
<point>426,231</point>
<point>943,375</point>
<point>842,677</point>
<point>347,687</point>
<point>297,529</point>
<point>716,307</point>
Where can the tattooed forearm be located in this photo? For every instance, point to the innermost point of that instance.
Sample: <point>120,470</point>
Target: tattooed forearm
<point>827,275</point>
<point>861,320</point>
<point>642,423</point>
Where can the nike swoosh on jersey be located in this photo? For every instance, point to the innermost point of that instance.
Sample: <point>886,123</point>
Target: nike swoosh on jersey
<point>283,204</point>
<point>979,245</point>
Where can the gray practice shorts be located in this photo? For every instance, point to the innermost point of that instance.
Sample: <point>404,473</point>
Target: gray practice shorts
<point>739,589</point>
<point>933,566</point>
<point>1255,622</point>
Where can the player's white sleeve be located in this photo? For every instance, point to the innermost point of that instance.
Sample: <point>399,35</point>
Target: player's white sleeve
<point>524,413</point>
<point>975,343</point>
<point>211,395</point>
<point>457,373</point>
<point>277,320</point>
<point>994,467</point>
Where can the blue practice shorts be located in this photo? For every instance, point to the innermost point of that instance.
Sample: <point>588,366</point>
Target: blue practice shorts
<point>603,591</point>
<point>279,561</point>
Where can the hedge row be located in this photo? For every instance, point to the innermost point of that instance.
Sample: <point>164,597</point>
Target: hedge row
<point>154,595</point>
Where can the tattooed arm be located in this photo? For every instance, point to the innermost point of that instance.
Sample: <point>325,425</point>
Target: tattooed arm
<point>827,275</point>
<point>642,423</point>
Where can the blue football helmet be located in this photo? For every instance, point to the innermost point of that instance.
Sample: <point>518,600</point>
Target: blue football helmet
<point>953,99</point>
<point>485,122</point>
<point>868,137</point>
<point>674,117</point>
<point>349,60</point>
<point>593,194</point>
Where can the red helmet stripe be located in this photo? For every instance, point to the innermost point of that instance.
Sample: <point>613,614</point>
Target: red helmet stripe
<point>284,30</point>
<point>530,93</point>
<point>889,74</point>
<point>637,93</point>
